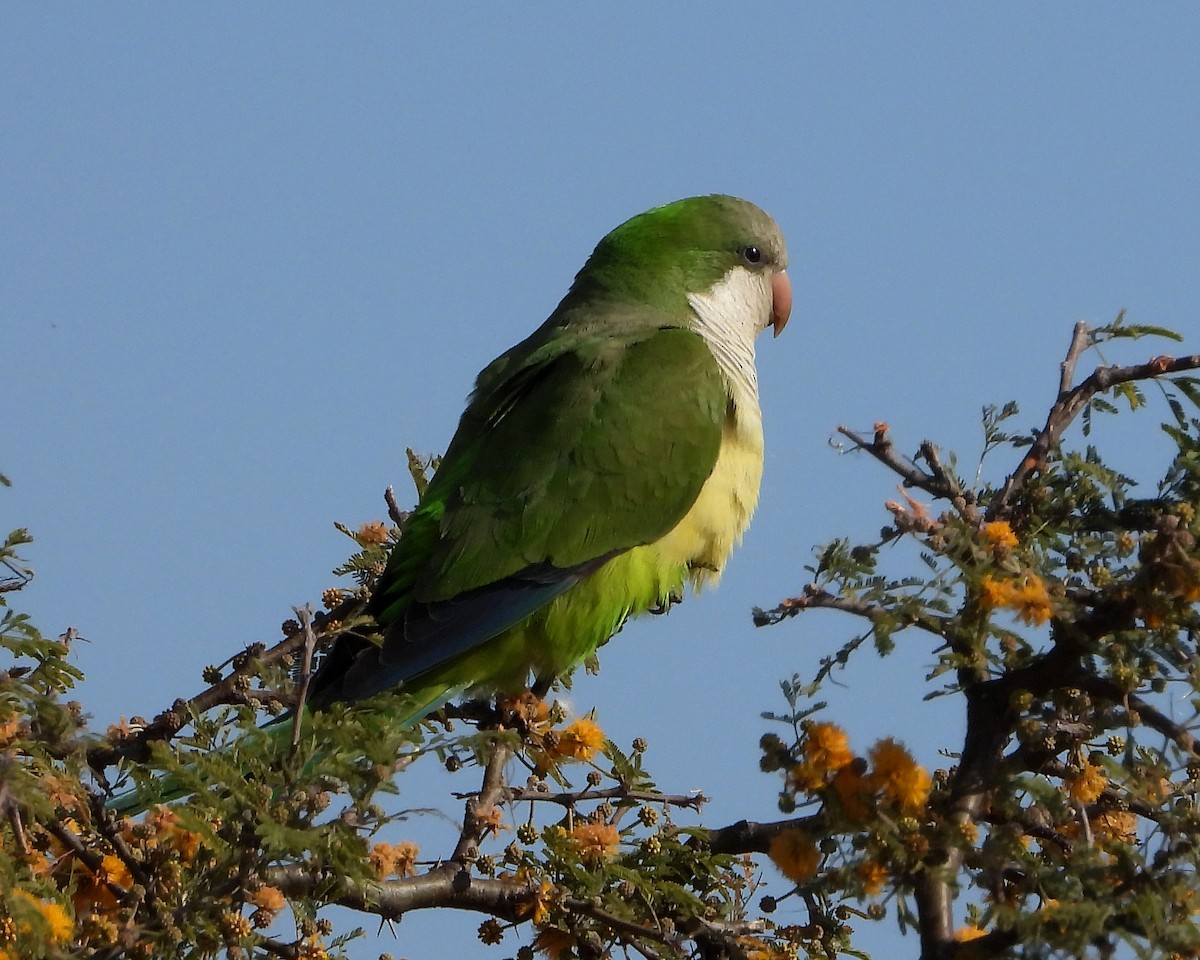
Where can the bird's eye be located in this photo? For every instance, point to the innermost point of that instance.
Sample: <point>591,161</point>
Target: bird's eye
<point>751,254</point>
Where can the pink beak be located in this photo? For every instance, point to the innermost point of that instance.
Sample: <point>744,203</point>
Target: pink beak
<point>781,301</point>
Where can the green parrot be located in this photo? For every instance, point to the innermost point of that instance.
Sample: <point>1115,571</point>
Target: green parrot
<point>604,462</point>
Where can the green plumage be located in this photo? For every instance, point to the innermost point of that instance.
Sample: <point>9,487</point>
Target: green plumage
<point>601,464</point>
<point>592,437</point>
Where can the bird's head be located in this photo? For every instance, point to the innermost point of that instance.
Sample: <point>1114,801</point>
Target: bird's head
<point>722,249</point>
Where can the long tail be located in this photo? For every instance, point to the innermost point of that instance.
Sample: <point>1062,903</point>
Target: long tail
<point>411,709</point>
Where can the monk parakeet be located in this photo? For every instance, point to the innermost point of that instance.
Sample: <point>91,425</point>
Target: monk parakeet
<point>604,462</point>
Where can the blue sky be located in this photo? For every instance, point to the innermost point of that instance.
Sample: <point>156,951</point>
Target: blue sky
<point>251,253</point>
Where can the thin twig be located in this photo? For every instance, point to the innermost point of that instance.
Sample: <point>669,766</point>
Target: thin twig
<point>883,450</point>
<point>692,801</point>
<point>492,792</point>
<point>168,723</point>
<point>397,515</point>
<point>304,615</point>
<point>1071,404</point>
<point>816,597</point>
<point>1081,339</point>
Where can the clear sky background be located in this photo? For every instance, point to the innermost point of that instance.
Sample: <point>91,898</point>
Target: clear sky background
<point>249,253</point>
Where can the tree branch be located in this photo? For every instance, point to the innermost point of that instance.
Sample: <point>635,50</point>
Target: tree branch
<point>816,597</point>
<point>692,801</point>
<point>440,887</point>
<point>493,792</point>
<point>883,450</point>
<point>1072,402</point>
<point>748,836</point>
<point>136,746</point>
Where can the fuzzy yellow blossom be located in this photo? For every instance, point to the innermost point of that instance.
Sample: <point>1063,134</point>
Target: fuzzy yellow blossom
<point>580,740</point>
<point>394,859</point>
<point>899,778</point>
<point>168,831</point>
<point>1087,786</point>
<point>269,898</point>
<point>58,922</point>
<point>826,750</point>
<point>1117,825</point>
<point>855,794</point>
<point>95,890</point>
<point>968,933</point>
<point>595,841</point>
<point>827,747</point>
<point>553,943</point>
<point>373,533</point>
<point>59,926</point>
<point>993,593</point>
<point>114,870</point>
<point>538,909</point>
<point>755,948</point>
<point>1027,597</point>
<point>873,875</point>
<point>795,854</point>
<point>999,535</point>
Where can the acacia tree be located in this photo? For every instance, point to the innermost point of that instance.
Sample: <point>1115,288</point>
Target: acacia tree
<point>1062,613</point>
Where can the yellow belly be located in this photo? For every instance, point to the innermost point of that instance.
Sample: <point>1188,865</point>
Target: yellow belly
<point>705,537</point>
<point>556,638</point>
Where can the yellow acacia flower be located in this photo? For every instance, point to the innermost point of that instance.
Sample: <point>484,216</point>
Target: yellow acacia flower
<point>595,841</point>
<point>993,593</point>
<point>114,870</point>
<point>1116,825</point>
<point>826,750</point>
<point>538,910</point>
<point>795,854</point>
<point>855,794</point>
<point>1087,786</point>
<point>59,925</point>
<point>1032,601</point>
<point>1027,597</point>
<point>756,948</point>
<point>59,922</point>
<point>167,830</point>
<point>268,898</point>
<point>999,535</point>
<point>873,875</point>
<point>826,747</point>
<point>394,859</point>
<point>580,740</point>
<point>899,777</point>
<point>372,533</point>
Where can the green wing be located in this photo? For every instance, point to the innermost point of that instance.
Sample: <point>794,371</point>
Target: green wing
<point>591,446</point>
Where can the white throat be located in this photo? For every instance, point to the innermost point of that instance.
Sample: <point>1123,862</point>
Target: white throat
<point>729,316</point>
